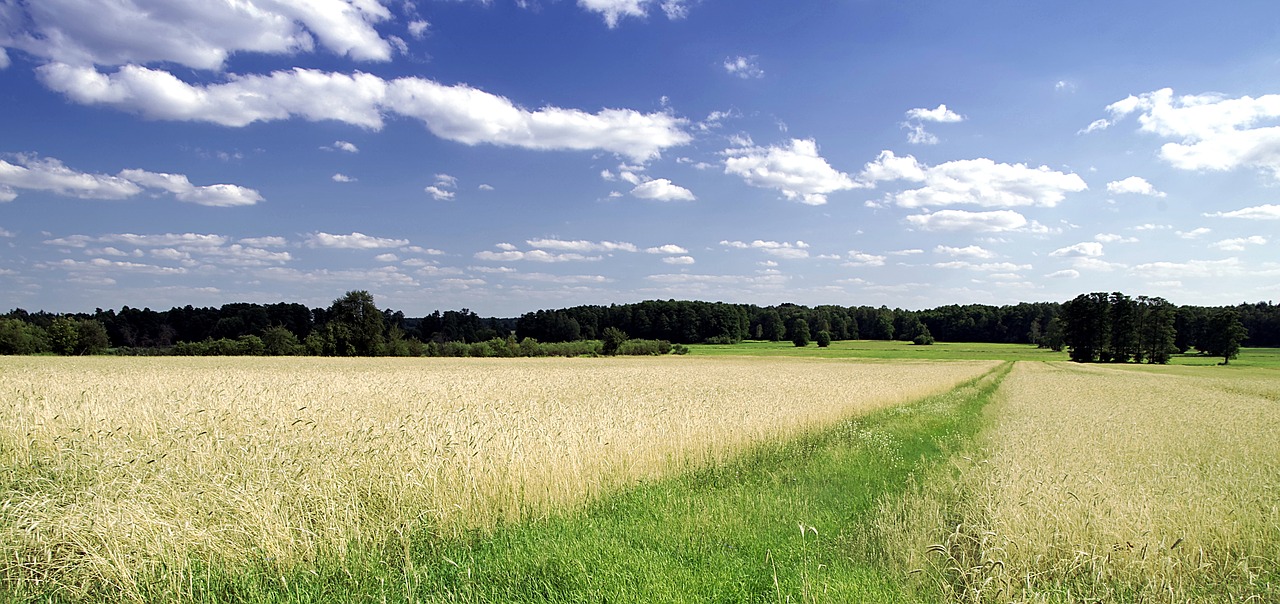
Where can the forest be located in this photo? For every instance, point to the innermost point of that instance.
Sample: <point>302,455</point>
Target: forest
<point>354,326</point>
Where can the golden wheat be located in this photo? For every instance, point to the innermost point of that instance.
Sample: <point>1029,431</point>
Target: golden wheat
<point>125,470</point>
<point>1107,484</point>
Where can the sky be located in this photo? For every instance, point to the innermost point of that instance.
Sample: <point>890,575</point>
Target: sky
<point>506,156</point>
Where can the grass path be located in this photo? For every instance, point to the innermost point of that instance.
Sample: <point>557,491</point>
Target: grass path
<point>789,522</point>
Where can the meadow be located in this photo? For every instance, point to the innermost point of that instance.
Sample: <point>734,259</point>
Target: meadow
<point>869,471</point>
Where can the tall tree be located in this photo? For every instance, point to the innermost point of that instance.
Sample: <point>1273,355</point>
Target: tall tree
<point>1223,334</point>
<point>356,325</point>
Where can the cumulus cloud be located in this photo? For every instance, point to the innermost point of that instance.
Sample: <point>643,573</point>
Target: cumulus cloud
<point>1195,233</point>
<point>532,256</point>
<point>783,249</point>
<point>661,189</point>
<point>1113,238</point>
<point>857,258</point>
<point>938,114</point>
<point>438,193</point>
<point>983,266</point>
<point>193,33</point>
<point>354,241</point>
<point>458,113</point>
<point>180,187</point>
<point>1213,132</point>
<point>583,246</point>
<point>1064,274</point>
<point>1087,249</point>
<point>681,260</point>
<point>1262,212</point>
<point>795,169</point>
<point>1189,269</point>
<point>48,174</point>
<point>340,177</point>
<point>744,67</point>
<point>981,182</point>
<point>971,251</point>
<point>342,146</point>
<point>1135,185</point>
<point>669,248</point>
<point>189,249</point>
<point>998,221</point>
<point>614,10</point>
<point>1238,244</point>
<point>916,118</point>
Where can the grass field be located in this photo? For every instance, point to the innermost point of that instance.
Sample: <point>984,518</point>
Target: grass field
<point>869,471</point>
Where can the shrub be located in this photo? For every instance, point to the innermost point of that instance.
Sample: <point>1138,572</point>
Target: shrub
<point>824,339</point>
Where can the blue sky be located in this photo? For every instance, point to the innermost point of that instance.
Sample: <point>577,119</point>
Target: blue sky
<point>511,155</point>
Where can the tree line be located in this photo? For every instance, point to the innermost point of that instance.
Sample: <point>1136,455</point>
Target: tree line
<point>1095,327</point>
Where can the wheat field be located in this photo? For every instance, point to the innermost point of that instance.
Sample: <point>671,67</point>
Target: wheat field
<point>1106,484</point>
<point>127,471</point>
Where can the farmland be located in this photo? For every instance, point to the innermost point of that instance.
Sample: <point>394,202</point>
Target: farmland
<point>124,472</point>
<point>746,477</point>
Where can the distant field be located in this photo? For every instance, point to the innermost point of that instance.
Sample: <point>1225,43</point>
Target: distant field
<point>942,351</point>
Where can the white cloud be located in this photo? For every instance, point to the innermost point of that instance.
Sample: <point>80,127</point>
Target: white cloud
<point>981,182</point>
<point>271,241</point>
<point>971,251</point>
<point>438,193</point>
<point>1095,126</point>
<point>561,279</point>
<point>354,241</point>
<point>340,177</point>
<point>1087,249</point>
<point>614,10</point>
<point>1262,212</point>
<point>1135,185</point>
<point>661,189</point>
<point>910,252</point>
<point>49,174</point>
<point>1214,132</point>
<point>1152,227</point>
<point>485,187</point>
<point>678,260</point>
<point>194,33</point>
<point>939,114</point>
<point>458,113</point>
<point>583,246</point>
<point>1113,238</point>
<point>744,67</point>
<point>669,248</point>
<point>784,249</point>
<point>795,169</point>
<point>386,257</point>
<point>857,258</point>
<point>418,28</point>
<point>221,195</point>
<point>1193,233</point>
<point>4,59</point>
<point>1064,274</point>
<point>998,221</point>
<point>920,136</point>
<point>1238,244</point>
<point>888,166</point>
<point>532,256</point>
<point>342,146</point>
<point>984,266</point>
<point>1190,269</point>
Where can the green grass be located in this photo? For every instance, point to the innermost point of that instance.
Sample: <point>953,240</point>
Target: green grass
<point>787,522</point>
<point>941,351</point>
<point>889,350</point>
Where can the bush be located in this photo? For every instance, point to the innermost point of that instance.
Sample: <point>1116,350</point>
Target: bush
<point>824,339</point>
<point>645,347</point>
<point>679,349</point>
<point>612,341</point>
<point>923,339</point>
